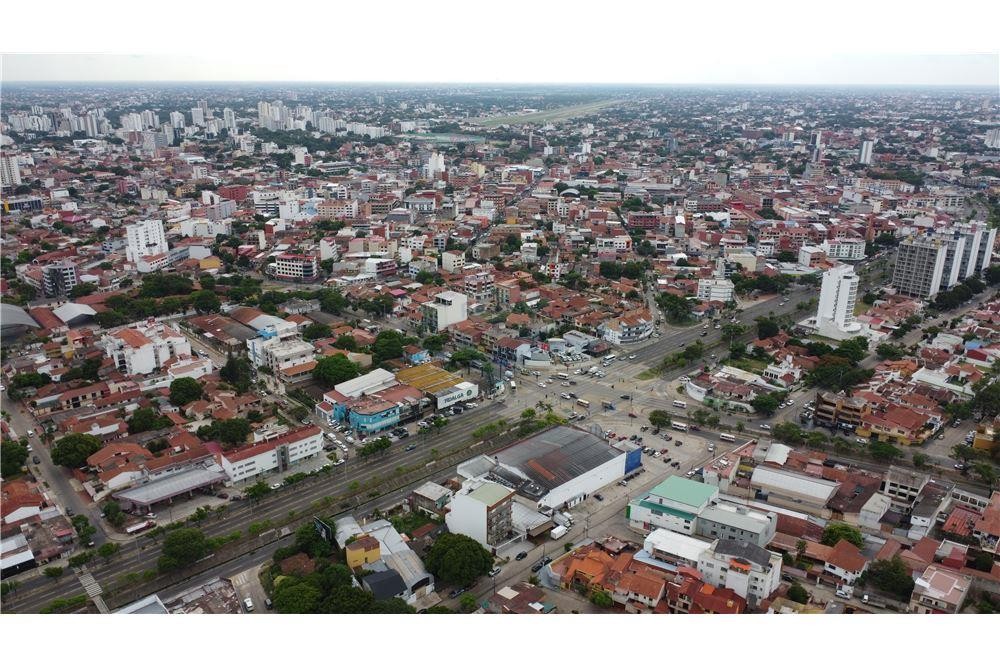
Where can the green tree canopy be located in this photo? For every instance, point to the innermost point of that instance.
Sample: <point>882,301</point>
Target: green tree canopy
<point>229,432</point>
<point>296,597</point>
<point>765,404</point>
<point>835,532</point>
<point>315,331</point>
<point>388,345</point>
<point>457,559</point>
<point>147,419</point>
<point>891,576</point>
<point>796,593</point>
<point>659,418</point>
<point>182,548</point>
<point>72,451</point>
<point>335,369</point>
<point>346,342</point>
<point>184,390</point>
<point>206,301</point>
<point>13,454</point>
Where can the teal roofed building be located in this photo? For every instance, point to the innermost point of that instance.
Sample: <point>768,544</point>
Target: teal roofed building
<point>673,504</point>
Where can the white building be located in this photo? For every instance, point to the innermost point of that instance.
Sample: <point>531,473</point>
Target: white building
<point>482,510</point>
<point>447,308</point>
<point>844,249</point>
<point>629,328</point>
<point>750,571</point>
<point>274,455</point>
<point>715,289</point>
<point>919,269</point>
<point>144,239</point>
<point>10,171</point>
<point>144,349</point>
<point>203,227</point>
<point>452,262</point>
<point>865,152</point>
<point>837,297</point>
<point>993,138</point>
<point>673,504</point>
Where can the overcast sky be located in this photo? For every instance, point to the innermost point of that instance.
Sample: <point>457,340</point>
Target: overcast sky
<point>861,42</point>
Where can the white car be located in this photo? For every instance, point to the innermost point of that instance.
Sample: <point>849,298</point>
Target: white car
<point>31,434</point>
<point>343,447</point>
<point>631,356</point>
<point>350,439</point>
<point>791,402</point>
<point>542,385</point>
<point>564,396</point>
<point>339,462</point>
<point>765,427</point>
<point>472,404</point>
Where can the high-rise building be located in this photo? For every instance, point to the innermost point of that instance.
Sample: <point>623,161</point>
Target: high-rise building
<point>919,268</point>
<point>58,278</point>
<point>177,120</point>
<point>197,116</point>
<point>144,239</point>
<point>865,153</point>
<point>10,171</point>
<point>837,297</point>
<point>993,138</point>
<point>954,250</point>
<point>229,119</point>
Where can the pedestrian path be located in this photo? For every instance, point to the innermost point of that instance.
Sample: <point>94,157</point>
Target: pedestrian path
<point>93,590</point>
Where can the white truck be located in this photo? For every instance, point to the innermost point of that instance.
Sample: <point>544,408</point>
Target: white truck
<point>558,532</point>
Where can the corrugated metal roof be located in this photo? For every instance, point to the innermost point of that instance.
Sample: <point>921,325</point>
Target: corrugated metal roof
<point>814,488</point>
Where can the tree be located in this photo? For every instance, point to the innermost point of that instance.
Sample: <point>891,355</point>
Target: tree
<point>676,309</point>
<point>206,301</point>
<point>891,576</point>
<point>388,345</point>
<point>147,419</point>
<point>601,599</point>
<point>296,597</point>
<point>788,432</point>
<point>659,418</point>
<point>107,550</point>
<point>467,602</point>
<point>82,289</point>
<point>796,593</point>
<point>392,606</point>
<point>765,404</point>
<point>884,452</point>
<point>237,372</point>
<point>919,460</point>
<point>457,559</point>
<point>767,327</point>
<point>835,532</point>
<point>346,342</point>
<point>436,342</point>
<point>72,451</point>
<point>13,454</point>
<point>113,513</point>
<point>185,390</point>
<point>986,473</point>
<point>231,432</point>
<point>53,572</point>
<point>347,600</point>
<point>315,331</point>
<point>182,548</point>
<point>335,369</point>
<point>889,351</point>
<point>987,400</point>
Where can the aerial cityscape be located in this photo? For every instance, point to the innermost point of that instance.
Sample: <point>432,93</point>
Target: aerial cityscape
<point>309,348</point>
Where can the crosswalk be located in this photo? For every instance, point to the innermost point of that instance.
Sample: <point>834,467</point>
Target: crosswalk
<point>93,590</point>
<point>240,579</point>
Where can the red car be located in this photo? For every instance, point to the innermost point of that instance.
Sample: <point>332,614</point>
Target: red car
<point>632,415</point>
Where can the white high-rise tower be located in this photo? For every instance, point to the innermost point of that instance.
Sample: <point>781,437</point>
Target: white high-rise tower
<point>144,239</point>
<point>839,293</point>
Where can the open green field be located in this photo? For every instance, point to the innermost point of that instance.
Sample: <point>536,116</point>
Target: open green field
<point>549,115</point>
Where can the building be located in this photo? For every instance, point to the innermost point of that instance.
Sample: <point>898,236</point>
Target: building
<point>452,262</point>
<point>673,504</point>
<point>794,490</point>
<point>629,328</point>
<point>715,289</point>
<point>865,152</point>
<point>977,250</point>
<point>837,298</point>
<point>394,555</point>
<point>482,510</point>
<point>993,138</point>
<point>728,521</point>
<point>750,571</point>
<point>846,249</point>
<point>298,268</point>
<point>446,309</point>
<point>271,455</point>
<point>10,171</point>
<point>431,499</point>
<point>58,278</point>
<point>145,239</point>
<point>837,411</point>
<point>674,548</point>
<point>919,270</point>
<point>443,387</point>
<point>144,349</point>
<point>939,591</point>
<point>844,563</point>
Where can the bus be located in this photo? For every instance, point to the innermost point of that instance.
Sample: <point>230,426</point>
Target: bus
<point>726,437</point>
<point>562,376</point>
<point>680,404</point>
<point>582,403</point>
<point>139,527</point>
<point>610,358</point>
<point>607,405</point>
<point>679,426</point>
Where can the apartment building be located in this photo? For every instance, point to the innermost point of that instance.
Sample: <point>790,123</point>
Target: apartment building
<point>846,249</point>
<point>271,455</point>
<point>715,289</point>
<point>298,268</point>
<point>144,239</point>
<point>939,591</point>
<point>728,521</point>
<point>452,262</point>
<point>446,309</point>
<point>58,278</point>
<point>837,411</point>
<point>483,511</point>
<point>920,263</point>
<point>749,570</point>
<point>144,349</point>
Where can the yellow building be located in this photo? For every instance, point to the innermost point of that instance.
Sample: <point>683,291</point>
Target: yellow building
<point>362,551</point>
<point>986,436</point>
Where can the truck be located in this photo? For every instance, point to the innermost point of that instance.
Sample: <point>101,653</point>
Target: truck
<point>562,519</point>
<point>593,369</point>
<point>558,532</point>
<point>139,527</point>
<point>508,374</point>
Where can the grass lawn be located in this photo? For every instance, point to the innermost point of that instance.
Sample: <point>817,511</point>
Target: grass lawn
<point>861,307</point>
<point>407,523</point>
<point>648,374</point>
<point>539,117</point>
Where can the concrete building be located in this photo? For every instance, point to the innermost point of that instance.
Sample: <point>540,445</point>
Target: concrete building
<point>144,239</point>
<point>794,490</point>
<point>953,256</point>
<point>837,297</point>
<point>271,455</point>
<point>482,510</point>
<point>724,520</point>
<point>297,268</point>
<point>452,262</point>
<point>750,571</point>
<point>715,289</point>
<point>919,267</point>
<point>10,171</point>
<point>447,308</point>
<point>939,591</point>
<point>865,152</point>
<point>673,504</point>
<point>144,349</point>
<point>847,249</point>
<point>58,278</point>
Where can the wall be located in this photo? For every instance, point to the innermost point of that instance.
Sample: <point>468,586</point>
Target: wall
<point>594,480</point>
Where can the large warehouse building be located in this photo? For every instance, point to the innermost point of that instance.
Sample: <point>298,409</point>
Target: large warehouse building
<point>556,468</point>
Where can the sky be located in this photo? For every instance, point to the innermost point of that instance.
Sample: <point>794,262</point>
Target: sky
<point>857,42</point>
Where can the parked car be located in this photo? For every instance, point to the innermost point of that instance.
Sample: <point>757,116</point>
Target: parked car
<point>410,448</point>
<point>495,571</point>
<point>521,556</point>
<point>35,460</point>
<point>599,497</point>
<point>275,486</point>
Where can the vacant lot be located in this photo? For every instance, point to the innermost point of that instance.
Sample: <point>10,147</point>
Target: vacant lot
<point>549,115</point>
